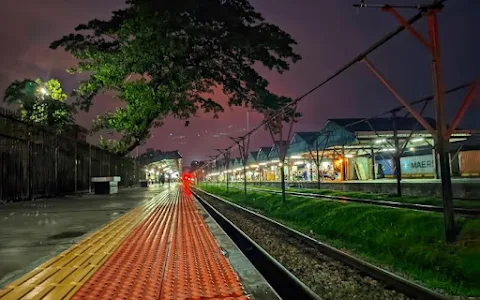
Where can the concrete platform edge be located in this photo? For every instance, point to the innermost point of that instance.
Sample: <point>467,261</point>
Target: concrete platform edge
<point>253,282</point>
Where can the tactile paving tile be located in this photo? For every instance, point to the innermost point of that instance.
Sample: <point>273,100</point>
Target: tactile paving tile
<point>171,255</point>
<point>63,275</point>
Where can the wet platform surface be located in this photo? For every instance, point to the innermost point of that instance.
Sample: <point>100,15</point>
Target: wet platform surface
<point>158,244</point>
<point>33,231</point>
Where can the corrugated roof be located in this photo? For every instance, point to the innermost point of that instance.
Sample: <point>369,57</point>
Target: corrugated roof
<point>380,124</point>
<point>309,137</point>
<point>265,150</point>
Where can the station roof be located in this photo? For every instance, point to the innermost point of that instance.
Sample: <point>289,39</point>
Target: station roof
<point>471,143</point>
<point>379,124</point>
<point>252,157</point>
<point>264,153</point>
<point>276,145</point>
<point>161,160</point>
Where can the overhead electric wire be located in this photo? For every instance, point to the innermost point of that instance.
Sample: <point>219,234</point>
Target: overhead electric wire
<point>421,100</point>
<point>345,67</point>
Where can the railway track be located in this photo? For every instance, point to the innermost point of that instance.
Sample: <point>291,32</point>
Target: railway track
<point>295,263</point>
<point>471,212</point>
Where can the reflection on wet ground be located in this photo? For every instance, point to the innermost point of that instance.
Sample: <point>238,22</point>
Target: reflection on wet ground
<point>32,231</point>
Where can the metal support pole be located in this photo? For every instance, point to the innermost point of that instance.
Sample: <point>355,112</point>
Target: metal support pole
<point>372,154</point>
<point>227,157</point>
<point>30,166</point>
<point>318,165</point>
<point>56,163</point>
<point>461,112</point>
<point>89,168</point>
<point>398,166</point>
<point>76,168</point>
<point>447,194</point>
<point>407,105</point>
<point>435,163</point>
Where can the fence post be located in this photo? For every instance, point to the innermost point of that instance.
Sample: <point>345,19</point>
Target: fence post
<point>76,167</point>
<point>55,158</point>
<point>109,163</point>
<point>30,164</point>
<point>89,168</point>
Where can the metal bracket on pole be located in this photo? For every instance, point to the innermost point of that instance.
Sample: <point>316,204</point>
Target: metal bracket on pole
<point>243,149</point>
<point>461,112</point>
<point>226,155</point>
<point>409,27</point>
<point>407,105</point>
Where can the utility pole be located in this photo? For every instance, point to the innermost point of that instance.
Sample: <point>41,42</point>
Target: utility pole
<point>226,156</point>
<point>243,144</point>
<point>317,163</point>
<point>440,133</point>
<point>441,142</point>
<point>396,155</point>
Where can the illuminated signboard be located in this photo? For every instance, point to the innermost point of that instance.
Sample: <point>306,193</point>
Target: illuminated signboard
<point>422,164</point>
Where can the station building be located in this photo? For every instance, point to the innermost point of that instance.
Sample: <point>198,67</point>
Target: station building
<point>357,150</point>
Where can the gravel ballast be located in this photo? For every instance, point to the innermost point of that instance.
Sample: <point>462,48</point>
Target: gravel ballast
<point>328,278</point>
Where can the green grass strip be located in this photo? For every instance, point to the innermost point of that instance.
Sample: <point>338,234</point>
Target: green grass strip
<point>427,200</point>
<point>410,243</point>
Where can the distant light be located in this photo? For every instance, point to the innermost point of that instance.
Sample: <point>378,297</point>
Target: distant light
<point>349,155</point>
<point>309,165</point>
<point>43,91</point>
<point>299,163</point>
<point>412,149</point>
<point>417,140</point>
<point>295,157</point>
<point>388,150</point>
<point>262,164</point>
<point>380,141</point>
<point>280,165</point>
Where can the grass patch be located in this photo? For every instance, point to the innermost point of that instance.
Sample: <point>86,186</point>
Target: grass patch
<point>408,242</point>
<point>427,200</point>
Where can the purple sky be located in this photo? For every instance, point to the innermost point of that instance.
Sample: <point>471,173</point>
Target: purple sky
<point>329,34</point>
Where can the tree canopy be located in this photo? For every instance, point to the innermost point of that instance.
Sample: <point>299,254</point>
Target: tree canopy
<point>166,58</point>
<point>41,102</point>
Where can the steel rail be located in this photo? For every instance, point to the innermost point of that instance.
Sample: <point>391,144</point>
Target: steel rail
<point>285,284</point>
<point>392,204</point>
<point>392,280</point>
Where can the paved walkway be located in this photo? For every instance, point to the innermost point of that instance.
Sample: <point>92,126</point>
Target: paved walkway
<point>33,231</point>
<point>161,249</point>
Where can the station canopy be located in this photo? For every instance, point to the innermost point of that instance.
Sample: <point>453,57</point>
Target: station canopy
<point>169,162</point>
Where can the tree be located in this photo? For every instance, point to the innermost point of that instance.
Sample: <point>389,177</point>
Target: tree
<point>41,102</point>
<point>165,58</point>
<point>277,112</point>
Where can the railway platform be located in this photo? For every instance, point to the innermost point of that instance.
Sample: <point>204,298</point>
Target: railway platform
<point>163,245</point>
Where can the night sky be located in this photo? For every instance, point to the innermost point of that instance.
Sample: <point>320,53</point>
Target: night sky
<point>329,33</point>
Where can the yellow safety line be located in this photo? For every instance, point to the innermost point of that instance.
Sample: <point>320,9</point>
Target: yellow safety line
<point>64,274</point>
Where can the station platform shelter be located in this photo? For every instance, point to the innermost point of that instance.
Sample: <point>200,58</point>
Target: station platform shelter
<point>143,243</point>
<point>356,150</point>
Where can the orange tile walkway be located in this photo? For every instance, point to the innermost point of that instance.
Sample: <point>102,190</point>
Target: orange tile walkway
<point>160,250</point>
